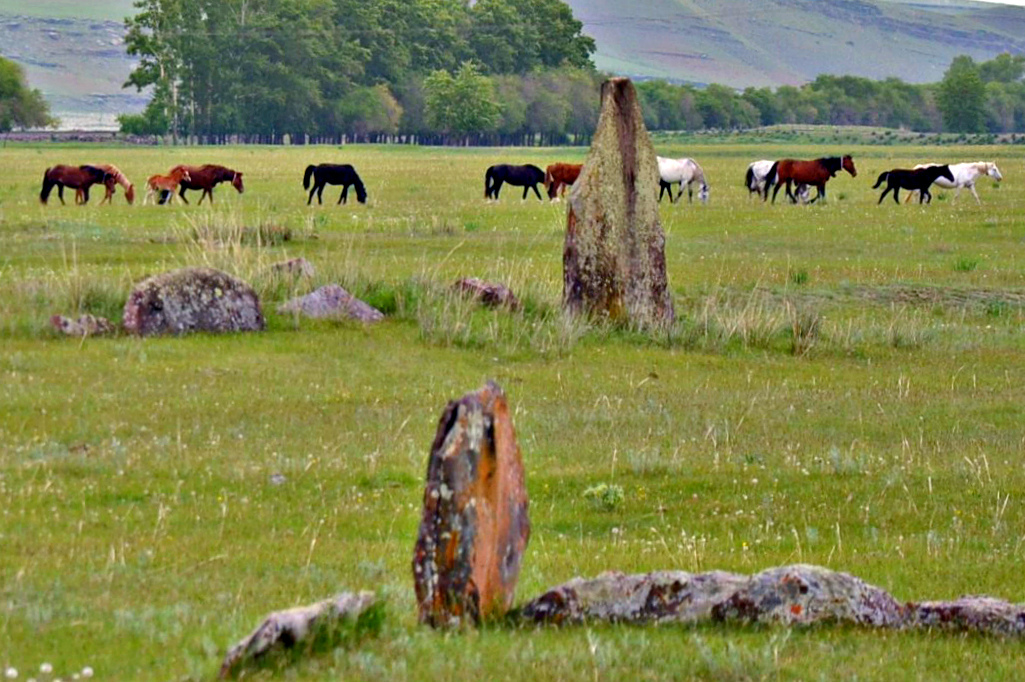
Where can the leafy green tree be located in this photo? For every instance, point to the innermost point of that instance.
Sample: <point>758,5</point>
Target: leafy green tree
<point>461,104</point>
<point>962,97</point>
<point>1004,68</point>
<point>20,106</point>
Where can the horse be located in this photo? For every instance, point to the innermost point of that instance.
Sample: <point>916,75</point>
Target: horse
<point>965,175</point>
<point>333,174</point>
<point>815,173</point>
<point>207,177</point>
<point>166,185</point>
<point>684,171</point>
<point>917,179</point>
<point>761,176</point>
<point>75,177</point>
<point>119,178</point>
<point>559,176</point>
<point>528,177</point>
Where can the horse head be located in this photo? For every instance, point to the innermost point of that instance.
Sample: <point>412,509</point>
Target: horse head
<point>945,172</point>
<point>847,163</point>
<point>236,182</point>
<point>703,193</point>
<point>993,172</point>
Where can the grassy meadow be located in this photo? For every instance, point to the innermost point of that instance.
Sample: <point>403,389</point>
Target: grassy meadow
<point>844,386</point>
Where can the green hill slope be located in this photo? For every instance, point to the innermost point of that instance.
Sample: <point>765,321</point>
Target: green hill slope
<point>772,42</point>
<point>74,52</point>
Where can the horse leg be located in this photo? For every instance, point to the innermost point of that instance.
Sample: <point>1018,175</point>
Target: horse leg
<point>181,193</point>
<point>975,194</point>
<point>60,193</point>
<point>313,191</point>
<point>534,187</point>
<point>774,192</point>
<point>497,187</point>
<point>85,195</point>
<point>662,191</point>
<point>690,193</point>
<point>790,194</point>
<point>925,197</point>
<point>883,195</point>
<point>343,198</point>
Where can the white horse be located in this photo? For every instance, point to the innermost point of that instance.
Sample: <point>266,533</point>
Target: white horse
<point>684,171</point>
<point>965,175</point>
<point>761,176</point>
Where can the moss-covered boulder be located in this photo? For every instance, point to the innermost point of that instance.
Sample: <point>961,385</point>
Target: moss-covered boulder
<point>614,263</point>
<point>192,300</point>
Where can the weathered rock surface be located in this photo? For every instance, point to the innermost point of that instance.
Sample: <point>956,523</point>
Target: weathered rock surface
<point>301,628</point>
<point>791,595</point>
<point>614,263</point>
<point>475,526</point>
<point>294,267</point>
<point>662,596</point>
<point>488,293</point>
<point>85,325</point>
<point>804,594</point>
<point>971,614</point>
<point>332,301</point>
<point>192,300</point>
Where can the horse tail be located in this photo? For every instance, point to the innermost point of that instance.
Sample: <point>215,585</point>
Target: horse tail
<point>306,177</point>
<point>47,187</point>
<point>881,180</point>
<point>487,181</point>
<point>749,178</point>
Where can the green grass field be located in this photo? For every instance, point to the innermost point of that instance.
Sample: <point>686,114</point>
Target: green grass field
<point>843,387</point>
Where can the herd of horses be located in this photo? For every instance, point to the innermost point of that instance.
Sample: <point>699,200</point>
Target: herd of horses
<point>159,187</point>
<point>796,176</point>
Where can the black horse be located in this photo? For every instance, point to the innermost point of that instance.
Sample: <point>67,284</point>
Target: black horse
<point>528,177</point>
<point>333,174</point>
<point>920,179</point>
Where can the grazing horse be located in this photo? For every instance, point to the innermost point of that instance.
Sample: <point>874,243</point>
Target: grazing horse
<point>815,173</point>
<point>166,184</point>
<point>528,177</point>
<point>559,176</point>
<point>78,178</point>
<point>207,177</point>
<point>333,174</point>
<point>684,171</point>
<point>918,179</point>
<point>965,175</point>
<point>119,178</point>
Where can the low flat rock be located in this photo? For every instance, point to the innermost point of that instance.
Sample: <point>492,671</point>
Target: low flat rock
<point>192,300</point>
<point>803,594</point>
<point>662,596</point>
<point>297,629</point>
<point>970,614</point>
<point>84,325</point>
<point>474,525</point>
<point>332,302</point>
<point>490,294</point>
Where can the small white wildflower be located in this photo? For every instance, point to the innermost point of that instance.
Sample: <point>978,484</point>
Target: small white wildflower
<point>46,668</point>
<point>11,673</point>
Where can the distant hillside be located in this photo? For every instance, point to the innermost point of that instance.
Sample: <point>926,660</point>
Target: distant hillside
<point>775,42</point>
<point>73,51</point>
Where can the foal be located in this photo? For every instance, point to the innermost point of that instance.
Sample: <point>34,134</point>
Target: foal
<point>158,184</point>
<point>918,179</point>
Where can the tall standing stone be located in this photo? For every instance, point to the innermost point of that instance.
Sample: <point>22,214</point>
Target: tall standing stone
<point>475,526</point>
<point>614,262</point>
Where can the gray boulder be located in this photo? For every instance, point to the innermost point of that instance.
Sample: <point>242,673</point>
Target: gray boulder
<point>192,300</point>
<point>332,302</point>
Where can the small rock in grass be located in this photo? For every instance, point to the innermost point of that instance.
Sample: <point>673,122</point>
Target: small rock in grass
<point>488,293</point>
<point>301,630</point>
<point>295,267</point>
<point>85,325</point>
<point>474,526</point>
<point>332,301</point>
<point>192,300</point>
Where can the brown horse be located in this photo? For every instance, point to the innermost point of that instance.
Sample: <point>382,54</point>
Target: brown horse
<point>75,177</point>
<point>119,178</point>
<point>206,177</point>
<point>559,176</point>
<point>813,173</point>
<point>159,184</point>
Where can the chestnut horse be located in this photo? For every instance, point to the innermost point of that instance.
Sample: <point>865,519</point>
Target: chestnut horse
<point>161,184</point>
<point>75,177</point>
<point>119,178</point>
<point>815,173</point>
<point>206,177</point>
<point>559,176</point>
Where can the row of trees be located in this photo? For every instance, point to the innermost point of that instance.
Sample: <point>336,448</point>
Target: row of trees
<point>20,106</point>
